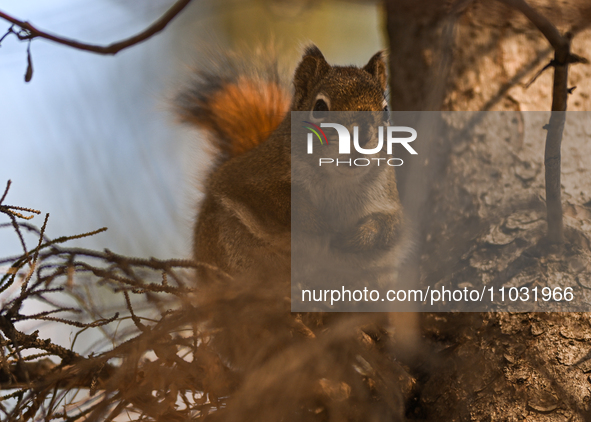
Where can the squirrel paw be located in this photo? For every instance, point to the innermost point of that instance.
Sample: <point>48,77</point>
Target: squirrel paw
<point>377,231</point>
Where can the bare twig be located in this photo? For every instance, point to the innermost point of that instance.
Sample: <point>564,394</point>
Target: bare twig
<point>111,49</point>
<point>550,32</point>
<point>12,214</point>
<point>562,58</point>
<point>5,191</point>
<point>31,341</point>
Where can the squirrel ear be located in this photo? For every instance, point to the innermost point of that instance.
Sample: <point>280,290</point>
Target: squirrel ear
<point>313,51</point>
<point>376,67</point>
<point>312,67</point>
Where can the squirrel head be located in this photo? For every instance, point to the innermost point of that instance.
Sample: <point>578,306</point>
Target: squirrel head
<point>320,87</point>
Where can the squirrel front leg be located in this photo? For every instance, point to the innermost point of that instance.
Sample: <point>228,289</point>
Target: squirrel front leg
<point>305,217</point>
<point>376,231</point>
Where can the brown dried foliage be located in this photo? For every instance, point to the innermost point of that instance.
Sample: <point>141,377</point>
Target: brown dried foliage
<point>231,351</point>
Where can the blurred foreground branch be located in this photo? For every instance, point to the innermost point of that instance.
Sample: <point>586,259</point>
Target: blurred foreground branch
<point>169,351</point>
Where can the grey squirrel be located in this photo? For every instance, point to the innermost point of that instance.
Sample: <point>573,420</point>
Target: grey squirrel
<point>244,224</point>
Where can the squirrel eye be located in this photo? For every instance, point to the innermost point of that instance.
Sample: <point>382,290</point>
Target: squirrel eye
<point>386,114</point>
<point>320,109</point>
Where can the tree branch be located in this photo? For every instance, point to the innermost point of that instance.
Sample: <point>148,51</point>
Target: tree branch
<point>562,58</point>
<point>550,32</point>
<point>111,49</point>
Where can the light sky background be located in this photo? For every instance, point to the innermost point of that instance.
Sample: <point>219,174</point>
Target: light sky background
<point>90,139</point>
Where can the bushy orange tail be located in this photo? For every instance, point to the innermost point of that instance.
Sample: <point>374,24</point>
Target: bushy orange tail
<point>240,100</point>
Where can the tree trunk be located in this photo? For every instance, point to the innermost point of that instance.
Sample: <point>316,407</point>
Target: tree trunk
<point>478,204</point>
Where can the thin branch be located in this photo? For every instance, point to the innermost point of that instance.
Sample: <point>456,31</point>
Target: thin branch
<point>556,40</point>
<point>35,256</point>
<point>6,189</point>
<point>562,58</point>
<point>111,49</point>
<point>31,341</point>
<point>552,156</point>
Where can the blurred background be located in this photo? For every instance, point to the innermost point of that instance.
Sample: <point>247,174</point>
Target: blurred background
<point>91,139</point>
